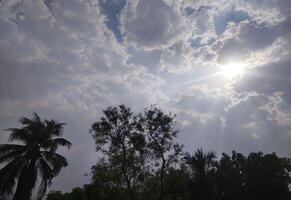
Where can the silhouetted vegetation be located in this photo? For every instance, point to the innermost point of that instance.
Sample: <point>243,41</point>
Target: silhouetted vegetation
<point>34,157</point>
<point>140,159</point>
<point>232,177</point>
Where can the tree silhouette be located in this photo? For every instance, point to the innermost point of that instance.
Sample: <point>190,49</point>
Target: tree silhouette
<point>177,180</point>
<point>257,176</point>
<point>235,177</point>
<point>159,129</point>
<point>201,165</point>
<point>229,176</point>
<point>55,195</point>
<point>122,146</point>
<point>267,176</point>
<point>34,157</point>
<point>141,160</point>
<point>107,182</point>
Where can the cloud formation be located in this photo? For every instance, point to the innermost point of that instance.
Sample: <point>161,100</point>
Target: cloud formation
<point>69,60</point>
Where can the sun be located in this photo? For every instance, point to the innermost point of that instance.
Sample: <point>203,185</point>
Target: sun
<point>232,70</point>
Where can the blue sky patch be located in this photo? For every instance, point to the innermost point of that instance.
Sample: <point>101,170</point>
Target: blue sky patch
<point>222,20</point>
<point>112,9</point>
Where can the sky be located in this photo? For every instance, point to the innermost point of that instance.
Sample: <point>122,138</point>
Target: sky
<point>224,68</point>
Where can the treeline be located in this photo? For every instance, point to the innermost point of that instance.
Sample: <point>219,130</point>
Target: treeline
<point>141,160</point>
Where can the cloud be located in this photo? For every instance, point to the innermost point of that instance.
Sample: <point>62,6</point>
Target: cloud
<point>246,122</point>
<point>176,59</point>
<point>269,78</point>
<point>268,13</point>
<point>151,24</point>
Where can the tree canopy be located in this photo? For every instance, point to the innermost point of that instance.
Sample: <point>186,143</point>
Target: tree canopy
<point>232,177</point>
<point>141,159</point>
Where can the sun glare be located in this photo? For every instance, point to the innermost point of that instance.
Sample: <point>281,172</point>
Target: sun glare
<point>232,70</point>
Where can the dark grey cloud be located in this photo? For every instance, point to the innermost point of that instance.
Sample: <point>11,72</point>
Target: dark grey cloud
<point>151,24</point>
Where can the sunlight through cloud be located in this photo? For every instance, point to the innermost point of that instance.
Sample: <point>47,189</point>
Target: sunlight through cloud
<point>232,70</point>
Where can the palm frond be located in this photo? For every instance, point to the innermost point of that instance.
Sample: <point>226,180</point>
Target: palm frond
<point>188,158</point>
<point>26,121</point>
<point>53,128</point>
<point>61,142</point>
<point>8,174</point>
<point>55,160</point>
<point>36,118</point>
<point>33,126</point>
<point>46,173</point>
<point>12,155</point>
<point>210,158</point>
<point>200,162</point>
<point>8,148</point>
<point>19,135</point>
<point>53,144</point>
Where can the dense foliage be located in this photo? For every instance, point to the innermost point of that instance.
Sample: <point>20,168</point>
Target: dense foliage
<point>142,161</point>
<point>232,177</point>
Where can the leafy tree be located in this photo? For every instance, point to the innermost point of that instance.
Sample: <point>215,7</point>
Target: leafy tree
<point>91,192</point>
<point>234,177</point>
<point>77,193</point>
<point>177,179</point>
<point>176,187</point>
<point>55,195</point>
<point>107,182</point>
<point>257,176</point>
<point>36,156</point>
<point>229,176</point>
<point>160,133</point>
<point>150,186</point>
<point>123,147</point>
<point>267,176</point>
<point>201,165</point>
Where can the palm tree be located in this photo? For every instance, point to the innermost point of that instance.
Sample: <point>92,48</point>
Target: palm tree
<point>200,164</point>
<point>35,156</point>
